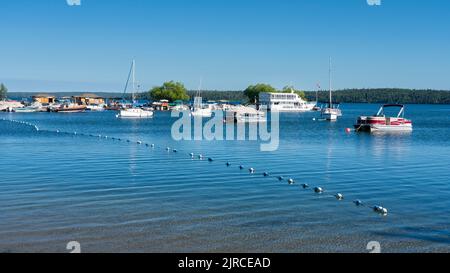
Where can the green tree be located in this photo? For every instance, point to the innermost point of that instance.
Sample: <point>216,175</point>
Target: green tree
<point>170,91</point>
<point>3,92</point>
<point>291,89</point>
<point>252,92</point>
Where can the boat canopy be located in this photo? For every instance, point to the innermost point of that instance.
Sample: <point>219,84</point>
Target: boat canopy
<point>393,105</point>
<point>400,113</point>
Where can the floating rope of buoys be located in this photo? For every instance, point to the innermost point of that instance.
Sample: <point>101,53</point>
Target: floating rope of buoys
<point>318,190</point>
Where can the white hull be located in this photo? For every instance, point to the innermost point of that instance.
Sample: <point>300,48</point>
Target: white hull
<point>292,109</point>
<point>135,113</point>
<point>251,120</point>
<point>330,117</point>
<point>95,108</point>
<point>331,114</point>
<point>391,128</point>
<point>205,113</point>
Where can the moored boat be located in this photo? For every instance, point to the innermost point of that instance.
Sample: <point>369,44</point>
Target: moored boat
<point>69,108</point>
<point>133,112</point>
<point>332,111</point>
<point>243,114</point>
<point>381,123</point>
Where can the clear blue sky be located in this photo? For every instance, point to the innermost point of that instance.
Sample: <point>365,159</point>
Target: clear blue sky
<point>46,45</point>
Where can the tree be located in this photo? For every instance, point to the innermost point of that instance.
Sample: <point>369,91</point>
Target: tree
<point>291,89</point>
<point>170,91</point>
<point>3,92</point>
<point>252,92</point>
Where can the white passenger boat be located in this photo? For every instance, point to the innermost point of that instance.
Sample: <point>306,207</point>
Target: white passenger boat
<point>381,123</point>
<point>285,102</point>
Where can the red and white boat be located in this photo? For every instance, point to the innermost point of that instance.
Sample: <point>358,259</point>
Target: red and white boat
<point>381,123</point>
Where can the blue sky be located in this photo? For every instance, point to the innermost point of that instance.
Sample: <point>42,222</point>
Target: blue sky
<point>46,45</point>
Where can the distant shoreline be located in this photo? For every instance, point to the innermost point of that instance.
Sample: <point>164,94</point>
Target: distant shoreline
<point>374,95</point>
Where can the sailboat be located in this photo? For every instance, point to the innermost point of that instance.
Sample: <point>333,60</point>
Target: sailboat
<point>133,112</point>
<point>332,112</point>
<point>198,109</point>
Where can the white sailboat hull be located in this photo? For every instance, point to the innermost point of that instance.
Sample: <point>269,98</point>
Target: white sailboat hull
<point>135,113</point>
<point>205,113</point>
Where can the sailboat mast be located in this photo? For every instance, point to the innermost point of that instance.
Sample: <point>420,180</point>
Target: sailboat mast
<point>329,79</point>
<point>133,68</point>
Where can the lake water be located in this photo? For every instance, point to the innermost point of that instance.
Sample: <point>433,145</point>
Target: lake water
<point>113,196</point>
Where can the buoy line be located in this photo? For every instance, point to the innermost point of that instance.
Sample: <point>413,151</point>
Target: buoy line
<point>200,157</point>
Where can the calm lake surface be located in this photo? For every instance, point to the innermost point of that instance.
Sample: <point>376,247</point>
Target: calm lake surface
<point>116,196</point>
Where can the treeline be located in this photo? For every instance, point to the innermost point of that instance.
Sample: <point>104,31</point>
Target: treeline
<point>384,95</point>
<point>379,96</point>
<point>214,95</point>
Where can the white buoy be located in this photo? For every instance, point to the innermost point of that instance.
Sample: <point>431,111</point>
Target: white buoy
<point>153,145</point>
<point>251,170</point>
<point>358,203</point>
<point>280,178</point>
<point>228,164</point>
<point>266,174</point>
<point>380,210</point>
<point>200,157</point>
<point>318,190</point>
<point>241,167</point>
<point>291,181</point>
<point>339,196</point>
<point>192,155</point>
<point>305,186</point>
<point>139,142</point>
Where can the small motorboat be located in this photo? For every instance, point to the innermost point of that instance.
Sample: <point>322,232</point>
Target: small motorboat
<point>95,108</point>
<point>381,123</point>
<point>244,114</point>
